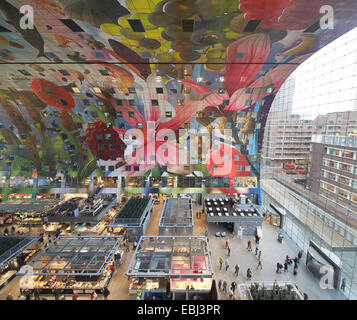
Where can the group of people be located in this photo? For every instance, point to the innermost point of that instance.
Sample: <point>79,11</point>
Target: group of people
<point>222,286</point>
<point>289,261</point>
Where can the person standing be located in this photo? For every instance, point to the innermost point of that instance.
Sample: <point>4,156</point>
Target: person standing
<point>285,266</point>
<point>231,294</point>
<point>75,296</point>
<point>256,250</point>
<point>229,251</point>
<point>233,286</point>
<point>56,293</point>
<point>343,284</point>
<point>227,264</point>
<point>236,270</point>
<point>227,244</point>
<point>106,293</point>
<point>220,263</point>
<point>9,297</point>
<point>36,294</point>
<point>260,255</point>
<point>249,274</point>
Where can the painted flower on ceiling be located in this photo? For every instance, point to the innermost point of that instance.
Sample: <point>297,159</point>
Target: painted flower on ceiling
<point>227,161</point>
<point>244,60</point>
<point>160,140</point>
<point>52,94</point>
<point>104,142</point>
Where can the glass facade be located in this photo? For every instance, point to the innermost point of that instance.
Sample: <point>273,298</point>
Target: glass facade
<point>317,102</point>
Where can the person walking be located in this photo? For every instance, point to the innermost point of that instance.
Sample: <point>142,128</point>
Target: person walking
<point>343,284</point>
<point>233,286</point>
<point>260,255</point>
<point>106,293</point>
<point>285,266</point>
<point>227,264</point>
<point>220,285</point>
<point>220,263</point>
<point>249,245</point>
<point>229,251</point>
<point>299,255</point>
<point>236,270</point>
<point>256,250</point>
<point>260,266</point>
<point>277,267</point>
<point>257,239</point>
<point>75,296</point>
<point>227,244</point>
<point>295,270</point>
<point>249,274</point>
<point>225,287</point>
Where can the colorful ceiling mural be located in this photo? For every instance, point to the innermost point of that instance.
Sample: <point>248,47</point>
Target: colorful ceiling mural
<point>96,82</point>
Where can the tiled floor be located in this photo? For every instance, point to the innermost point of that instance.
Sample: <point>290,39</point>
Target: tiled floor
<point>272,252</point>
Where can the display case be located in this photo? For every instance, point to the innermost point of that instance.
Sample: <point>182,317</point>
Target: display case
<point>6,276</point>
<point>197,284</point>
<point>148,284</point>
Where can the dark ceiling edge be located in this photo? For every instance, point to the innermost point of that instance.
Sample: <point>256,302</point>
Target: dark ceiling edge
<point>133,63</point>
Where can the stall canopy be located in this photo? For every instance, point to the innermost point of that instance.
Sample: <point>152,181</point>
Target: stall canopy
<point>176,257</point>
<point>27,205</point>
<point>75,255</point>
<point>11,247</point>
<point>177,212</point>
<point>133,213</point>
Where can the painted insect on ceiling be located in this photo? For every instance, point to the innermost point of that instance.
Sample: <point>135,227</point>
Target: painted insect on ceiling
<point>90,70</point>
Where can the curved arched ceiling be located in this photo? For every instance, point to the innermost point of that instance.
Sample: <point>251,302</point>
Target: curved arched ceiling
<point>210,63</point>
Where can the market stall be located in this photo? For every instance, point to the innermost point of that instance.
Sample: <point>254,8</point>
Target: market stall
<point>176,217</point>
<point>14,253</point>
<point>181,263</point>
<point>133,218</point>
<point>73,263</point>
<point>25,211</point>
<point>81,209</point>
